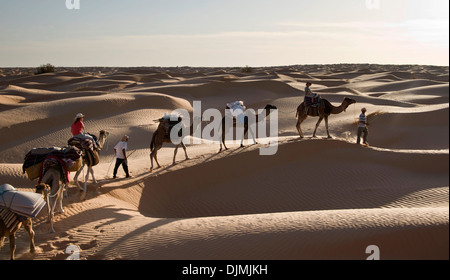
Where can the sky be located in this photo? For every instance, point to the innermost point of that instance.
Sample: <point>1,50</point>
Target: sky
<point>223,33</point>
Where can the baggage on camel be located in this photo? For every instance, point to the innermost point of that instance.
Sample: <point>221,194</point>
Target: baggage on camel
<point>27,204</point>
<point>89,148</point>
<point>34,159</point>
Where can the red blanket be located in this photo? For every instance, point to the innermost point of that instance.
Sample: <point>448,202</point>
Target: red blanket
<point>64,173</point>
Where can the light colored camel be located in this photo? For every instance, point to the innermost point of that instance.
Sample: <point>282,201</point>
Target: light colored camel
<point>246,127</point>
<point>160,137</point>
<point>325,109</point>
<point>52,177</point>
<point>90,171</point>
<point>44,189</point>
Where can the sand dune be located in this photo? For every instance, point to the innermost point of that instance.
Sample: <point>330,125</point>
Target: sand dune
<point>314,199</point>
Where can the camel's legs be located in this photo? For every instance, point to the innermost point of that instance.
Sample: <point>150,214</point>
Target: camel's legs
<point>184,148</point>
<point>86,178</point>
<point>50,215</point>
<point>66,188</point>
<point>176,150</point>
<point>59,202</point>
<point>317,125</point>
<point>75,178</point>
<point>253,136</point>
<point>223,139</point>
<point>154,154</point>
<point>151,160</point>
<point>300,119</point>
<point>156,159</point>
<point>93,177</point>
<point>246,129</point>
<point>28,225</point>
<point>12,245</point>
<point>175,153</point>
<point>326,125</point>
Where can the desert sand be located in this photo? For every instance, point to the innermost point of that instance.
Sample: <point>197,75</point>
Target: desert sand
<point>316,198</point>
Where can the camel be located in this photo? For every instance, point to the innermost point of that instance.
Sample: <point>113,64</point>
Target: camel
<point>160,137</point>
<point>90,162</point>
<point>27,224</point>
<point>52,177</point>
<point>325,109</point>
<point>268,107</point>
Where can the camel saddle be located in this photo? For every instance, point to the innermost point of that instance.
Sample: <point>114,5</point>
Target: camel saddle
<point>89,148</point>
<point>82,143</point>
<point>313,111</point>
<point>312,105</point>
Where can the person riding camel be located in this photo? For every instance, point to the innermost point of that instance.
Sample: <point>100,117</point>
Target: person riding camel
<point>237,109</point>
<point>311,99</point>
<point>78,128</point>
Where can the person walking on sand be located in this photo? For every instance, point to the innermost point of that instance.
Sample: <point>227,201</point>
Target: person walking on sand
<point>121,156</point>
<point>362,127</point>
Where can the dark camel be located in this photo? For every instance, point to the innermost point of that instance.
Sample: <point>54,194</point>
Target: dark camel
<point>325,109</point>
<point>160,137</point>
<point>222,142</point>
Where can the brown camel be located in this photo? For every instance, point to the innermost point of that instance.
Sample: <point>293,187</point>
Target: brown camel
<point>325,109</point>
<point>27,224</point>
<point>246,127</point>
<point>91,161</point>
<point>53,178</point>
<point>160,137</point>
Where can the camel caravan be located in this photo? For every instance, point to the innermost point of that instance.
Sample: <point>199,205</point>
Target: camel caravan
<point>51,166</point>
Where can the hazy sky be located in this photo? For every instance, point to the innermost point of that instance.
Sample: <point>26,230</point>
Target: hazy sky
<point>223,32</point>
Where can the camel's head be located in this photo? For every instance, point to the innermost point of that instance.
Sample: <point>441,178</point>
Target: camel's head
<point>43,189</point>
<point>348,102</point>
<point>103,133</point>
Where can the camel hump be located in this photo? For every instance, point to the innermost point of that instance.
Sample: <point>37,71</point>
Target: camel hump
<point>170,121</point>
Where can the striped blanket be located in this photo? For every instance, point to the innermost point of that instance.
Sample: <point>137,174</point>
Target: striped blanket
<point>11,219</point>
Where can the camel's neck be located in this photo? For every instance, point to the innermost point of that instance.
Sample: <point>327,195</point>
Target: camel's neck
<point>101,140</point>
<point>339,109</point>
